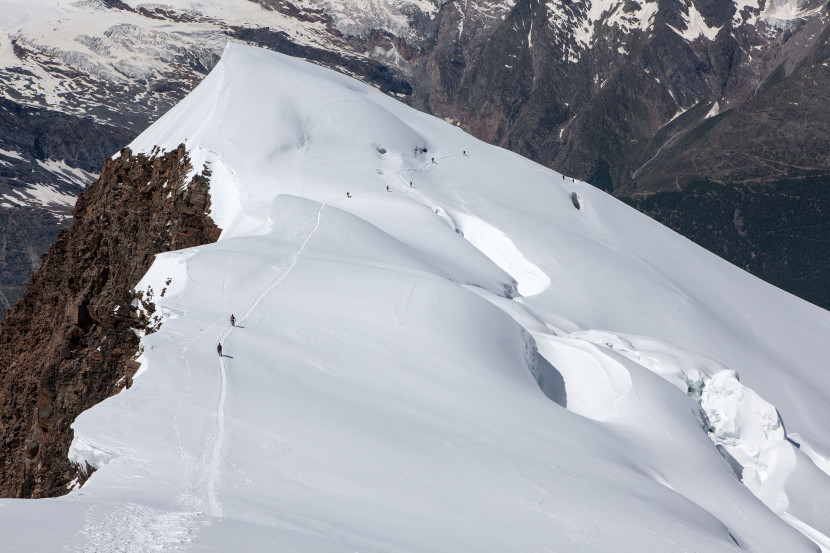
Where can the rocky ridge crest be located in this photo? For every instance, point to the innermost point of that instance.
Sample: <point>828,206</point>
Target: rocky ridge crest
<point>71,341</point>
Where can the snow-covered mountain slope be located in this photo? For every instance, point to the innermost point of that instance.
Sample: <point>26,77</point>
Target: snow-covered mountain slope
<point>116,62</point>
<point>454,358</point>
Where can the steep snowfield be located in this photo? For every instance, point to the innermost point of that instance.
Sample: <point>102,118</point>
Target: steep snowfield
<point>465,362</point>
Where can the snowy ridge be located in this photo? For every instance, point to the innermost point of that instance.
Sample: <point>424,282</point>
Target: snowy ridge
<point>450,357</point>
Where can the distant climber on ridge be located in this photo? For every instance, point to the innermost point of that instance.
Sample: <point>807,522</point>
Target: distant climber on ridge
<point>233,320</point>
<point>219,349</point>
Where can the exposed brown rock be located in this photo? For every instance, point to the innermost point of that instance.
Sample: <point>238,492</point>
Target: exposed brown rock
<point>69,343</point>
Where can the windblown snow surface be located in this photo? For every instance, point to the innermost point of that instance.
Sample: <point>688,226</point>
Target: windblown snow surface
<point>464,363</point>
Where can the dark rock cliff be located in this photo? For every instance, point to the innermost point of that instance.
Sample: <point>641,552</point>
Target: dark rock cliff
<point>69,343</point>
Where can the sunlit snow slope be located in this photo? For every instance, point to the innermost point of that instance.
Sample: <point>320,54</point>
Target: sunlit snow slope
<point>465,362</point>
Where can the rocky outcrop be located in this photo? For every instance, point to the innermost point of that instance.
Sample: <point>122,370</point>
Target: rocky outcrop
<point>70,342</point>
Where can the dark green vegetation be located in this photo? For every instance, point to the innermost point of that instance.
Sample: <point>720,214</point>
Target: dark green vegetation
<point>778,231</point>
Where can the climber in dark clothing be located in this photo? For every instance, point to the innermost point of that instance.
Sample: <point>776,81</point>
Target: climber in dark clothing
<point>219,349</point>
<point>233,320</point>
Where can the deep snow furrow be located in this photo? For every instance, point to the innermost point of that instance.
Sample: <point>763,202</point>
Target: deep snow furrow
<point>215,505</point>
<point>213,467</point>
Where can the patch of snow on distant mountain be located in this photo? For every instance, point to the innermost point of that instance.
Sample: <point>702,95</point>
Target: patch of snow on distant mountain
<point>47,195</point>
<point>12,154</point>
<point>67,173</point>
<point>355,17</point>
<point>746,11</point>
<point>612,13</point>
<point>696,26</point>
<point>778,13</point>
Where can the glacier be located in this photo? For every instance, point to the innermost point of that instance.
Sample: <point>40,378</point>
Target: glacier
<point>435,350</point>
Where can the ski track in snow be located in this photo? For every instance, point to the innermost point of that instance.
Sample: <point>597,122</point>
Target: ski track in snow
<point>213,466</point>
<point>420,195</point>
<point>139,529</point>
<point>279,280</point>
<point>406,186</point>
<point>215,506</point>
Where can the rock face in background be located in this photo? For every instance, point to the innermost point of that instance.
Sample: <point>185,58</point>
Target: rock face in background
<point>646,99</point>
<point>25,233</point>
<point>640,98</point>
<point>46,159</point>
<point>69,342</point>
